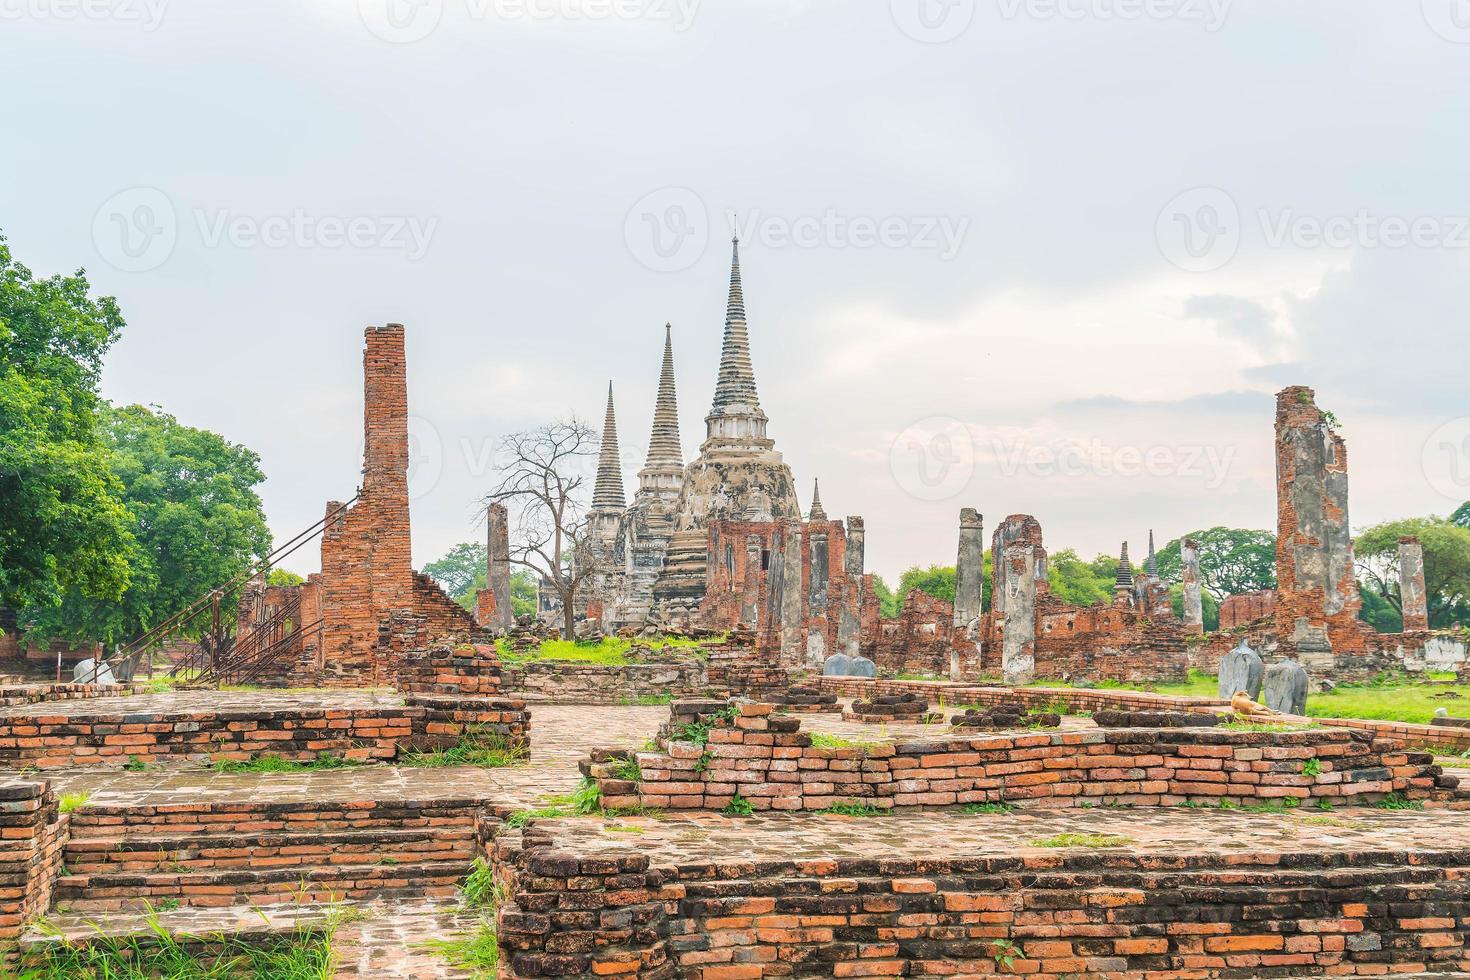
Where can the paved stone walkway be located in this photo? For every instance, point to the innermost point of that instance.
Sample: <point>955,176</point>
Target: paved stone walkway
<point>699,838</point>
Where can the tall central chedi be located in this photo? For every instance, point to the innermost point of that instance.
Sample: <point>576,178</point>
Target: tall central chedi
<point>738,475</point>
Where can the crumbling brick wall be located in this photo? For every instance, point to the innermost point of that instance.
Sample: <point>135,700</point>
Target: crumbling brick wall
<point>918,641</point>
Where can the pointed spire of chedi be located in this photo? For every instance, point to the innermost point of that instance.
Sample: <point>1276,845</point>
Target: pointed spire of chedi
<point>607,494</point>
<point>1125,569</point>
<point>817,514</point>
<point>736,412</point>
<point>1151,564</point>
<point>664,447</point>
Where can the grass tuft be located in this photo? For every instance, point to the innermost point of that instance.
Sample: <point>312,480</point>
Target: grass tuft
<point>1083,840</point>
<point>487,750</point>
<point>271,762</point>
<point>738,807</point>
<point>979,808</point>
<point>71,802</point>
<point>852,808</point>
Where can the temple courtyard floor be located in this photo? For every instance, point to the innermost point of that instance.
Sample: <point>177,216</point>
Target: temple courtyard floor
<point>395,938</point>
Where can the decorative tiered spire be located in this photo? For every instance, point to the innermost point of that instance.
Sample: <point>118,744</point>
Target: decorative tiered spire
<point>1125,570</point>
<point>817,513</point>
<point>1151,564</point>
<point>607,493</point>
<point>664,447</point>
<point>735,394</point>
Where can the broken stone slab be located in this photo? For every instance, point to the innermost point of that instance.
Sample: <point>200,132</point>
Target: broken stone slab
<point>1242,669</point>
<point>841,665</point>
<point>1286,687</point>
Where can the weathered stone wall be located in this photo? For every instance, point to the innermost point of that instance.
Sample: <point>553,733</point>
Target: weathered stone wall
<point>767,760</point>
<point>920,641</point>
<point>32,838</point>
<point>1274,914</point>
<point>1247,608</point>
<point>560,682</point>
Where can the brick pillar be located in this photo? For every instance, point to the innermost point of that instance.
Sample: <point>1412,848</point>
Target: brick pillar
<point>849,623</point>
<point>969,587</point>
<point>1317,602</point>
<point>816,594</point>
<point>1194,609</point>
<point>750,583</point>
<point>497,572</point>
<point>793,641</point>
<point>32,839</point>
<point>1412,592</point>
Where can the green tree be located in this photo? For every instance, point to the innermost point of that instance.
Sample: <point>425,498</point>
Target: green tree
<point>62,525</point>
<point>1446,568</point>
<point>1461,516</point>
<point>461,572</point>
<point>195,518</point>
<point>281,576</point>
<point>888,603</point>
<point>936,580</point>
<point>1231,561</point>
<point>1082,583</point>
<point>522,593</point>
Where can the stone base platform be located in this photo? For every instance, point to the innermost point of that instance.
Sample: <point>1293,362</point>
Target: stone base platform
<point>1183,893</point>
<point>194,727</point>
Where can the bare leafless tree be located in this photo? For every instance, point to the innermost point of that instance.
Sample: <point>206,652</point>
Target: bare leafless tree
<point>543,479</point>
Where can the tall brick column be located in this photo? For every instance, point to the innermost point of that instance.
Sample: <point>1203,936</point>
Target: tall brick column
<point>969,588</point>
<point>1412,592</point>
<point>1194,609</point>
<point>367,569</point>
<point>1317,592</point>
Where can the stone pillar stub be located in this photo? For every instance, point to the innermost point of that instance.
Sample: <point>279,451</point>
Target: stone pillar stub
<point>1194,609</point>
<point>1018,651</point>
<point>497,572</point>
<point>1412,591</point>
<point>969,588</point>
<point>849,622</point>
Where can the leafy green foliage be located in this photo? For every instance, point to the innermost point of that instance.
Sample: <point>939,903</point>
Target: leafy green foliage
<point>1398,801</point>
<point>461,572</point>
<point>1461,516</point>
<point>1082,583</point>
<point>1231,560</point>
<point>888,602</point>
<point>282,576</point>
<point>1312,767</point>
<point>479,889</point>
<point>71,802</point>
<point>62,524</point>
<point>194,517</point>
<point>738,807</point>
<point>1446,569</point>
<point>628,769</point>
<point>936,580</point>
<point>1004,952</point>
<point>587,799</point>
<point>976,809</point>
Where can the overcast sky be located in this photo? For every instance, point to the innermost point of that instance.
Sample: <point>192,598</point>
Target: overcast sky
<point>1032,256</point>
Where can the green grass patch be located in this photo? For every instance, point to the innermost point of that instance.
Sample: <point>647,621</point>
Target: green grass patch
<point>479,889</point>
<point>476,952</point>
<point>486,750</point>
<point>1083,840</point>
<point>587,798</point>
<point>521,818</point>
<point>852,808</point>
<point>612,651</point>
<point>647,700</point>
<point>270,762</point>
<point>976,809</point>
<point>305,954</point>
<point>1398,801</point>
<point>821,740</point>
<point>1268,726</point>
<point>627,769</point>
<point>71,802</point>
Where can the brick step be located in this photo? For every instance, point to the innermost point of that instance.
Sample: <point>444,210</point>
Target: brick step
<point>252,818</point>
<point>199,852</point>
<point>356,882</point>
<point>240,921</point>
